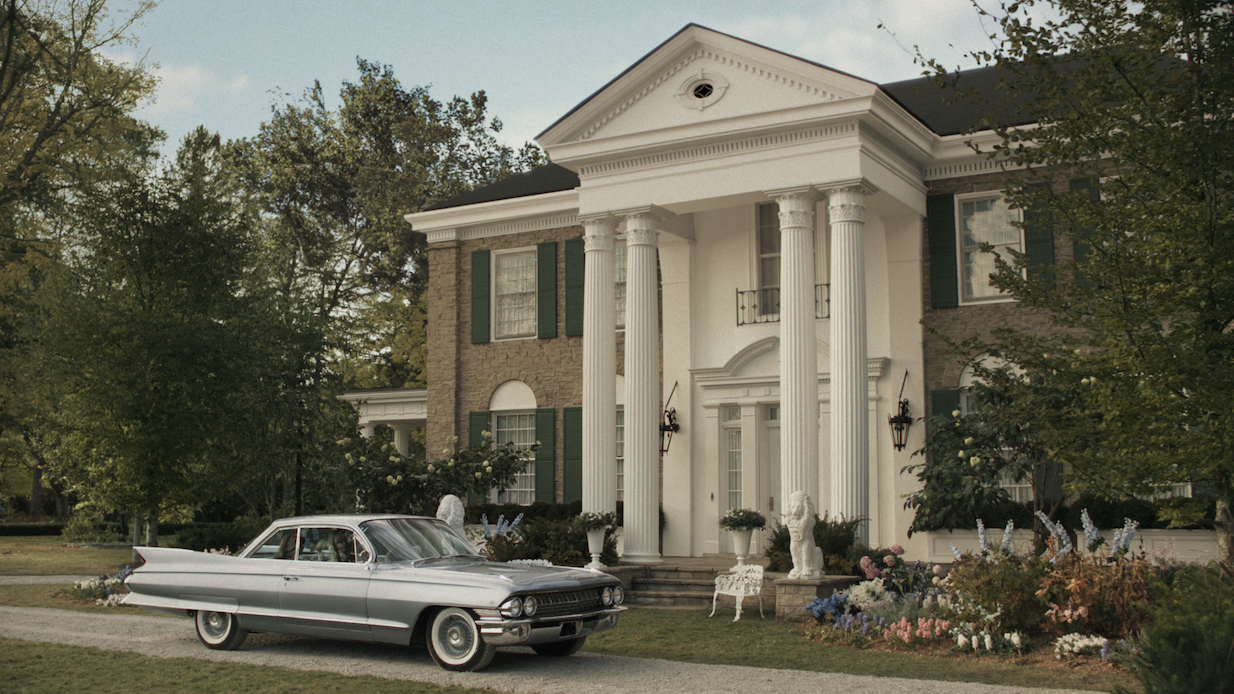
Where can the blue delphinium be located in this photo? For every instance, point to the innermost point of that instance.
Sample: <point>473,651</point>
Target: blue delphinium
<point>1064,542</point>
<point>832,605</point>
<point>981,543</point>
<point>1124,536</point>
<point>1092,537</point>
<point>1006,544</point>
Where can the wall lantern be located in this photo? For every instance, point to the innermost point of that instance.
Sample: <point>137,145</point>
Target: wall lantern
<point>669,426</point>
<point>901,421</point>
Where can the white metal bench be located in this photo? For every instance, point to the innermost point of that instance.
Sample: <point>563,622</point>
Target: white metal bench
<point>744,580</point>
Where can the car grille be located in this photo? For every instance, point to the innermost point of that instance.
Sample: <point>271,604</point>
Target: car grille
<point>552,605</point>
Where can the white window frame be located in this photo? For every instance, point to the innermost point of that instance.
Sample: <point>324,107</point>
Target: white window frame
<point>621,453</point>
<point>523,491</point>
<point>619,282</point>
<point>960,201</point>
<point>495,297</point>
<point>731,449</point>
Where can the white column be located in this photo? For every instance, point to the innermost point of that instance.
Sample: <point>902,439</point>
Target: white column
<point>850,448</point>
<point>798,346</point>
<point>599,367</point>
<point>402,438</point>
<point>642,409</point>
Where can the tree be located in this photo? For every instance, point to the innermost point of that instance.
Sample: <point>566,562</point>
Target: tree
<point>1132,153</point>
<point>64,126</point>
<point>153,350</point>
<point>333,187</point>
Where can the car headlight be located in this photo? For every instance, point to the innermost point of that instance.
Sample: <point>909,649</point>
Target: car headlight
<point>606,596</point>
<point>619,595</point>
<point>530,605</point>
<point>512,608</point>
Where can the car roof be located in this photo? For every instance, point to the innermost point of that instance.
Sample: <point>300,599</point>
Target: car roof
<point>343,518</point>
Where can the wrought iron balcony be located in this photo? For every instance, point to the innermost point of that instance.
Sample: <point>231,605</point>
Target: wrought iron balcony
<point>763,305</point>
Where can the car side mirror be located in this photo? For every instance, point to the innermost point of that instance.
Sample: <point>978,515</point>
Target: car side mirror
<point>365,557</point>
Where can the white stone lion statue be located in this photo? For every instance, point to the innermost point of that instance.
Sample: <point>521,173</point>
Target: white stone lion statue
<point>807,557</point>
<point>451,511</point>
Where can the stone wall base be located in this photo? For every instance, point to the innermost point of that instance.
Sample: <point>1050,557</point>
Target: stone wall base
<point>794,594</point>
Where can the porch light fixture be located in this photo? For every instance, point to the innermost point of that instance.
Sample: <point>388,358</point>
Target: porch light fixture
<point>669,426</point>
<point>901,421</point>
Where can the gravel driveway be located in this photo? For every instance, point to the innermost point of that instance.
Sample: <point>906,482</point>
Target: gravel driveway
<point>513,670</point>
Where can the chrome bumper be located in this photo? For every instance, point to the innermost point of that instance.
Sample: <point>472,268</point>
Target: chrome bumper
<point>514,632</point>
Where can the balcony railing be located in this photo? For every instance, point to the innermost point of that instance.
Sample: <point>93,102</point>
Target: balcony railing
<point>763,305</point>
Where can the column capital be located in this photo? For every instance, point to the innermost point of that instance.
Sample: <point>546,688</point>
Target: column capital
<point>859,186</point>
<point>654,212</point>
<point>806,192</point>
<point>599,232</point>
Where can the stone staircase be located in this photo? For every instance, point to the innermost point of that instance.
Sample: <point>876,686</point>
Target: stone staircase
<point>690,583</point>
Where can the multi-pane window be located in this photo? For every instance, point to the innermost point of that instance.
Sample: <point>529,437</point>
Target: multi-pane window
<point>768,238</point>
<point>619,278</point>
<point>520,430</point>
<point>514,295</point>
<point>621,454</point>
<point>990,221</point>
<point>732,454</point>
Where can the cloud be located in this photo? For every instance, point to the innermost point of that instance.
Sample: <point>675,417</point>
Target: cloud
<point>181,87</point>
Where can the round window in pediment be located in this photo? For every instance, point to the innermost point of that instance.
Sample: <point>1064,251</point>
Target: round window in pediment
<point>701,89</point>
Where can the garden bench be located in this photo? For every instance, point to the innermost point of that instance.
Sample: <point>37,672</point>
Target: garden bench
<point>743,580</point>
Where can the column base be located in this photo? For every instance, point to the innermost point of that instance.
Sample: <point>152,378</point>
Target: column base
<point>653,558</point>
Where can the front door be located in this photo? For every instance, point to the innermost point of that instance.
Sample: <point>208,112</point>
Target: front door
<point>769,464</point>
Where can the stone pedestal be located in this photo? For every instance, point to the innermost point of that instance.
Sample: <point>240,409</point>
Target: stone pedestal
<point>794,594</point>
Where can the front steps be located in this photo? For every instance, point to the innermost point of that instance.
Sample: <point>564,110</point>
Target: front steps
<point>690,584</point>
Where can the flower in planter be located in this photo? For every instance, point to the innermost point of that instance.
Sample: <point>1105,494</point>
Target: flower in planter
<point>594,521</point>
<point>743,519</point>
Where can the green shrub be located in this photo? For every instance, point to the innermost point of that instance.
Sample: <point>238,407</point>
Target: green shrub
<point>557,541</point>
<point>1189,647</point>
<point>999,590</point>
<point>837,538</point>
<point>203,536</point>
<point>85,530</point>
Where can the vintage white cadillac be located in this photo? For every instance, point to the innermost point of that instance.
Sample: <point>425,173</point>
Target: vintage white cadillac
<point>383,578</point>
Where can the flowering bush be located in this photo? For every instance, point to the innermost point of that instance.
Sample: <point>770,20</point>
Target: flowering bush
<point>102,590</point>
<point>594,521</point>
<point>1081,644</point>
<point>1104,593</point>
<point>742,519</point>
<point>986,642</point>
<point>833,606</point>
<point>557,541</point>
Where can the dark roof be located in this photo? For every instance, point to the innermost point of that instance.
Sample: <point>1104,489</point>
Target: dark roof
<point>946,112</point>
<point>549,178</point>
<point>939,108</point>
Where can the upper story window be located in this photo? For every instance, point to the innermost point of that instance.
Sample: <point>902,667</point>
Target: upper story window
<point>768,239</point>
<point>514,294</point>
<point>985,220</point>
<point>619,281</point>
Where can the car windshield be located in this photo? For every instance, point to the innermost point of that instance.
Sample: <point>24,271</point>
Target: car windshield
<point>412,539</point>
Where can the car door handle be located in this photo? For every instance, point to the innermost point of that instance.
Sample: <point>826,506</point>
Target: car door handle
<point>290,578</point>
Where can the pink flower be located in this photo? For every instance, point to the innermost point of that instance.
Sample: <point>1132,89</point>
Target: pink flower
<point>897,549</point>
<point>889,560</point>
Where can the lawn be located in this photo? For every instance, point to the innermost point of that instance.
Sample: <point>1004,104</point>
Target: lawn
<point>47,556</point>
<point>657,633</point>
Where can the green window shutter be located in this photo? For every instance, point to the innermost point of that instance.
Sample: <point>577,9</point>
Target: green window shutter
<point>572,453</point>
<point>575,262</point>
<point>1039,239</point>
<point>477,424</point>
<point>546,290</point>
<point>1081,248</point>
<point>941,230</point>
<point>1048,477</point>
<point>480,297</point>
<point>944,402</point>
<point>546,462</point>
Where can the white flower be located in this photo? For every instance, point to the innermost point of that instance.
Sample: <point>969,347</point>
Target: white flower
<point>960,641</point>
<point>969,441</point>
<point>989,642</point>
<point>976,644</point>
<point>960,455</point>
<point>1016,640</point>
<point>955,413</point>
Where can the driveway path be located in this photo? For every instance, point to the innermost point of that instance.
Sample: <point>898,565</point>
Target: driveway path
<point>513,670</point>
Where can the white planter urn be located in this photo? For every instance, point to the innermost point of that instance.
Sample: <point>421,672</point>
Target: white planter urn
<point>741,544</point>
<point>595,546</point>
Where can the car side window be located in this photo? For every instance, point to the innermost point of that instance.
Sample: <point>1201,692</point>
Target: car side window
<point>280,545</point>
<point>327,544</point>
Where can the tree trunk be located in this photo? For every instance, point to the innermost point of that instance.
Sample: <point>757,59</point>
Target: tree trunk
<point>36,492</point>
<point>136,559</point>
<point>152,528</point>
<point>1225,534</point>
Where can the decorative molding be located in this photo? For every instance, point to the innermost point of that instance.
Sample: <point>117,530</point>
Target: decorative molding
<point>725,61</point>
<point>687,97</point>
<point>979,164</point>
<point>847,212</point>
<point>719,149</point>
<point>517,226</point>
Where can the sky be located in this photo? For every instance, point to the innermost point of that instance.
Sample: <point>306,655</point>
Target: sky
<point>224,63</point>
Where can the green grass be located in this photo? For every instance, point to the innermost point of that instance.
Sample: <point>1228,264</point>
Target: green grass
<point>47,556</point>
<point>653,633</point>
<point>35,668</point>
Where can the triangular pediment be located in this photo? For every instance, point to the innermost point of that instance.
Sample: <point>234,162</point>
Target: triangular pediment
<point>701,76</point>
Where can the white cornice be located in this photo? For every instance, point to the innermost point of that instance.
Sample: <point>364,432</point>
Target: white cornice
<point>499,217</point>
